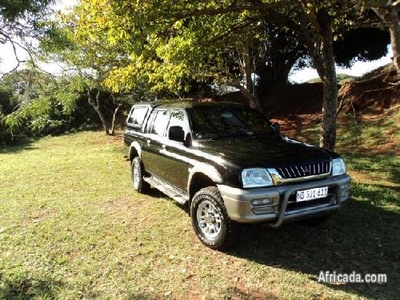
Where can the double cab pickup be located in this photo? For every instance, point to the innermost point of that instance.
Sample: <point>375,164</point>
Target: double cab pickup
<point>228,164</point>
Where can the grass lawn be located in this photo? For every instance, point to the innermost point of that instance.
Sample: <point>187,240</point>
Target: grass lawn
<point>71,227</point>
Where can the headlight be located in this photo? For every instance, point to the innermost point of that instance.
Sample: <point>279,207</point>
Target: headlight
<point>338,167</point>
<point>256,178</point>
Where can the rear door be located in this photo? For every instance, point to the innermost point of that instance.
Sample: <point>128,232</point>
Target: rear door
<point>164,157</point>
<point>155,138</point>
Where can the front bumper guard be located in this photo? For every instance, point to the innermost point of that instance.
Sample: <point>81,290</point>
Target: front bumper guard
<point>238,202</point>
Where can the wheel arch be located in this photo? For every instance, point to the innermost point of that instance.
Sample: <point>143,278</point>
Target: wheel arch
<point>134,151</point>
<point>202,176</point>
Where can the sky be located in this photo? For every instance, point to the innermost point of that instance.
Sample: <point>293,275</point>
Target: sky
<point>358,69</point>
<point>8,61</point>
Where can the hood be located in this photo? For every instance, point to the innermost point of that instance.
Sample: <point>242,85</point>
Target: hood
<point>264,152</point>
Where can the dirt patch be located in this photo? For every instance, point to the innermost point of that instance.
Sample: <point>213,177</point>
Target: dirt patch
<point>374,93</point>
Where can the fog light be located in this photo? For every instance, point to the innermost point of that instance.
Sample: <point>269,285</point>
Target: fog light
<point>260,210</point>
<point>259,202</point>
<point>263,206</point>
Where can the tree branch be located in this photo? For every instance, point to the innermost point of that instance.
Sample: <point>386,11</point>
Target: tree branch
<point>233,8</point>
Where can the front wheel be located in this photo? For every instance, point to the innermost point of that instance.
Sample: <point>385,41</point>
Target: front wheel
<point>210,219</point>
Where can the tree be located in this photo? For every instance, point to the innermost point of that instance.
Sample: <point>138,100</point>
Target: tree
<point>88,55</point>
<point>388,11</point>
<point>316,29</point>
<point>168,46</point>
<point>7,105</point>
<point>35,107</point>
<point>20,24</point>
<point>355,45</point>
<point>35,103</point>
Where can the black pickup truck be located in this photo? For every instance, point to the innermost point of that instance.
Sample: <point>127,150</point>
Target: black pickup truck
<point>228,164</point>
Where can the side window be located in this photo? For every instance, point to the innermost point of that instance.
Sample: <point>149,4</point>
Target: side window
<point>137,116</point>
<point>179,118</point>
<point>160,123</point>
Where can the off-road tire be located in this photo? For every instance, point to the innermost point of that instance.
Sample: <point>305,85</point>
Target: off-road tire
<point>210,219</point>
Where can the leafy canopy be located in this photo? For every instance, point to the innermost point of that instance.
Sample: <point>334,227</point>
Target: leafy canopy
<point>166,45</point>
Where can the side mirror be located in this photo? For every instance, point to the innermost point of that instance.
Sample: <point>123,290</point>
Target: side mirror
<point>277,127</point>
<point>176,133</point>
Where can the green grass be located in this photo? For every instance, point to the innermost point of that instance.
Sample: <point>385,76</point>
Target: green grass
<point>71,227</point>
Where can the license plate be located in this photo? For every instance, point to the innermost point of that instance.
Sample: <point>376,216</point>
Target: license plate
<point>312,194</point>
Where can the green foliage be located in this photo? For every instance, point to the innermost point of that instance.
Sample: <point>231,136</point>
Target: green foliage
<point>40,116</point>
<point>81,41</point>
<point>158,46</point>
<point>119,46</point>
<point>11,10</point>
<point>356,44</point>
<point>34,104</point>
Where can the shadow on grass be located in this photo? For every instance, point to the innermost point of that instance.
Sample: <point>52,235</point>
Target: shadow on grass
<point>362,238</point>
<point>28,288</point>
<point>375,163</point>
<point>20,146</point>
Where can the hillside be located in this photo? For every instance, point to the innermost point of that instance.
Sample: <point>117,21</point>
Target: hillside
<point>372,93</point>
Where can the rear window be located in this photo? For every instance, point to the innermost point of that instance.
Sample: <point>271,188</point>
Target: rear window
<point>160,122</point>
<point>137,115</point>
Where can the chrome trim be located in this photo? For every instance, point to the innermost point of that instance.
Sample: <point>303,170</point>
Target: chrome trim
<point>301,172</point>
<point>278,180</point>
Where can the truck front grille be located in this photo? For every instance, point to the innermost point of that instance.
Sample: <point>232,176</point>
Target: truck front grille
<point>304,170</point>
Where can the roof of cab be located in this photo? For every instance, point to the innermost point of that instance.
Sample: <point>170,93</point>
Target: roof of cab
<point>188,103</point>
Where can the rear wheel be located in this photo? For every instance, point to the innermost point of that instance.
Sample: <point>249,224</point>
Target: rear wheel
<point>137,171</point>
<point>210,219</point>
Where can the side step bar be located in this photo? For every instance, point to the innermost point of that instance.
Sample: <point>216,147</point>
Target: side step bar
<point>167,190</point>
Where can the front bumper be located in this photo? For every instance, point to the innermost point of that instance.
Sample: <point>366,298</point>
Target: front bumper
<point>277,204</point>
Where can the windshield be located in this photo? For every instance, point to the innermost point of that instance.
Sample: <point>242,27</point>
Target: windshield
<point>220,122</point>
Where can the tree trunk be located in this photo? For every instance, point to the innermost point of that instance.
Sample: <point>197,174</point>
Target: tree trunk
<point>394,30</point>
<point>247,71</point>
<point>327,73</point>
<point>95,103</point>
<point>318,38</point>
<point>329,113</point>
<point>112,129</point>
<point>389,15</point>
